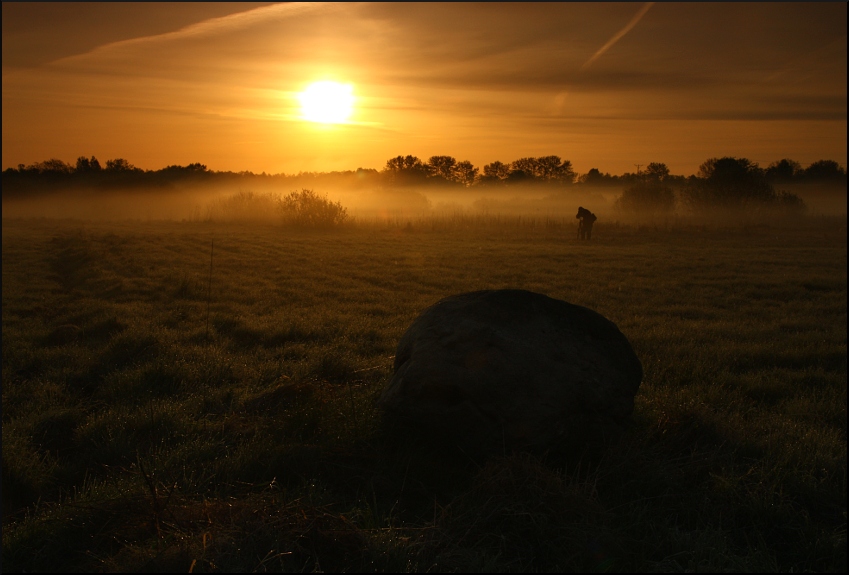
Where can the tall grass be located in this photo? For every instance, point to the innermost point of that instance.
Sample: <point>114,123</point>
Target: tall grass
<point>132,441</point>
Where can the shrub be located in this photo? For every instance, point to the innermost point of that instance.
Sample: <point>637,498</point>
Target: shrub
<point>790,204</point>
<point>647,197</point>
<point>306,208</point>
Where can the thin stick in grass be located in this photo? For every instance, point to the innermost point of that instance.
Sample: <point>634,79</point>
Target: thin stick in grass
<point>209,285</point>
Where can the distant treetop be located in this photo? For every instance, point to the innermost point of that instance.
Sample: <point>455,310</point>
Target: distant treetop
<point>729,176</point>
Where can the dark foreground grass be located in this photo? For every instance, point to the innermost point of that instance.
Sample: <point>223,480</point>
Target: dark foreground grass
<point>140,433</point>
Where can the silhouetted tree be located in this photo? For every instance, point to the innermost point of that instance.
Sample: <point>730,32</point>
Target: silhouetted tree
<point>551,168</point>
<point>182,171</point>
<point>783,171</point>
<point>631,177</point>
<point>120,165</point>
<point>592,177</point>
<point>497,170</point>
<point>399,163</point>
<point>442,166</point>
<point>825,170</point>
<point>527,166</point>
<point>52,166</point>
<point>728,182</point>
<point>494,174</point>
<point>36,178</point>
<point>565,173</point>
<point>465,173</point>
<point>87,165</point>
<point>519,176</point>
<point>735,183</point>
<point>545,168</point>
<point>656,171</point>
<point>405,170</point>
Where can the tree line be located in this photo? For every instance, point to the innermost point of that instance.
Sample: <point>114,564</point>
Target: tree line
<point>411,170</point>
<point>721,181</point>
<point>728,183</point>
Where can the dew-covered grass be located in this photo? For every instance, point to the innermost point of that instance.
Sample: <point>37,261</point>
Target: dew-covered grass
<point>157,416</point>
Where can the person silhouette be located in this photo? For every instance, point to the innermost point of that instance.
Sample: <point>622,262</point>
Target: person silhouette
<point>586,219</point>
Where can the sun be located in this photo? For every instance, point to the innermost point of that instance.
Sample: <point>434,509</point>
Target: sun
<point>327,102</point>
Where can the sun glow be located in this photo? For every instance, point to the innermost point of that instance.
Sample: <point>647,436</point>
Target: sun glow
<point>327,102</point>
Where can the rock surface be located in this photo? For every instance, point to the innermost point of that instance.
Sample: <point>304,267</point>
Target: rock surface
<point>497,370</point>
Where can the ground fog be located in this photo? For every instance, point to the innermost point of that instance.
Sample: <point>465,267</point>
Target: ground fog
<point>258,202</point>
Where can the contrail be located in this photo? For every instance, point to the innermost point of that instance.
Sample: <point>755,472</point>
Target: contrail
<point>212,25</point>
<point>619,34</point>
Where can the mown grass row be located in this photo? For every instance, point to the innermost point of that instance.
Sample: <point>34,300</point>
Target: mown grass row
<point>154,419</point>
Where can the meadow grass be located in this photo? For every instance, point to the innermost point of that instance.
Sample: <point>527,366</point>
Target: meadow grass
<point>156,419</point>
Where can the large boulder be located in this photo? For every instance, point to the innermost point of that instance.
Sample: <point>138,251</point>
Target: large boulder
<point>511,369</point>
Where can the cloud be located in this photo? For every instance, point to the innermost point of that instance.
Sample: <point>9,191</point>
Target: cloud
<point>619,35</point>
<point>35,33</point>
<point>424,71</point>
<point>222,25</point>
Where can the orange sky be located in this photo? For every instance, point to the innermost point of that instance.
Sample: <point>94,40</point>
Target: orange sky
<point>603,85</point>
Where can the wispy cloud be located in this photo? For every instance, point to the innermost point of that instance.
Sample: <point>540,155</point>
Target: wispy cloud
<point>215,26</point>
<point>522,78</point>
<point>618,36</point>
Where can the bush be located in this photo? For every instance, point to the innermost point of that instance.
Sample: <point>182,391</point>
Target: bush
<point>306,208</point>
<point>790,204</point>
<point>647,197</point>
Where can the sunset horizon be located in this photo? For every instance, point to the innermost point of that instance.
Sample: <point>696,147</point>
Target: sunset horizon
<point>605,86</point>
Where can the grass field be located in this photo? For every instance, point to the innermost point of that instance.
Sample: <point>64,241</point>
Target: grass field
<point>159,417</point>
